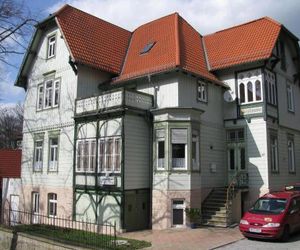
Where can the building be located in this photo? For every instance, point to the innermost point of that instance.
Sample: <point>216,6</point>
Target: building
<point>134,127</point>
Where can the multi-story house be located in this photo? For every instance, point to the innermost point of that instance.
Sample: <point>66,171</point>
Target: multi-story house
<point>134,127</point>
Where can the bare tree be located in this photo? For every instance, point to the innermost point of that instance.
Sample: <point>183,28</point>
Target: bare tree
<point>16,26</point>
<point>11,123</point>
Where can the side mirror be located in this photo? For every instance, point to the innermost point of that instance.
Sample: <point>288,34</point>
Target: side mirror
<point>293,211</point>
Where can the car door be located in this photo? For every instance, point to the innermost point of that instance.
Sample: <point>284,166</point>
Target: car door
<point>293,215</point>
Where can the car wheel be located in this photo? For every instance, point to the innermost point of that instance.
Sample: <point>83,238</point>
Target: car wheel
<point>286,234</point>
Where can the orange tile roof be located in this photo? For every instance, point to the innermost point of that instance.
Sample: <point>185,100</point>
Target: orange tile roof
<point>244,43</point>
<point>177,45</point>
<point>93,41</point>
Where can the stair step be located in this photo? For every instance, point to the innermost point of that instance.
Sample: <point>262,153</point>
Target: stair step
<point>213,212</point>
<point>217,200</point>
<point>214,203</point>
<point>215,224</point>
<point>212,216</point>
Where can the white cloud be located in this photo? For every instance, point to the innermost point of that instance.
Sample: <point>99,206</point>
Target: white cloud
<point>205,15</point>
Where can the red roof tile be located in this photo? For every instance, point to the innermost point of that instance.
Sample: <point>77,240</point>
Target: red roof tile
<point>10,163</point>
<point>177,45</point>
<point>93,41</point>
<point>244,43</point>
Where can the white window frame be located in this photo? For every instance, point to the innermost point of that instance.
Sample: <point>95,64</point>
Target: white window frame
<point>52,201</point>
<point>160,163</point>
<point>40,97</point>
<point>202,91</point>
<point>178,206</point>
<point>35,202</point>
<point>38,165</point>
<point>53,165</point>
<point>290,98</point>
<point>251,76</point>
<point>274,153</point>
<point>47,95</point>
<point>291,154</point>
<point>114,168</point>
<point>270,82</point>
<point>90,156</point>
<point>185,159</point>
<point>196,161</point>
<point>51,46</point>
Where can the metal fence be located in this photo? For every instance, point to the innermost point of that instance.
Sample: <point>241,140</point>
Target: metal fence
<point>81,233</point>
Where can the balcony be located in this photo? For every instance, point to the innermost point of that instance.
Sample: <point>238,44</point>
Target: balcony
<point>113,100</point>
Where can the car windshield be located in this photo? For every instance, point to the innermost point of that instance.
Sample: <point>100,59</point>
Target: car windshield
<point>269,206</point>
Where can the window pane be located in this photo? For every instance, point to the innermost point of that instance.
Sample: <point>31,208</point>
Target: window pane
<point>102,155</point>
<point>109,152</point>
<point>250,91</point>
<point>178,155</point>
<point>258,90</point>
<point>231,159</point>
<point>243,159</point>
<point>93,156</point>
<point>242,93</point>
<point>117,154</point>
<point>161,149</point>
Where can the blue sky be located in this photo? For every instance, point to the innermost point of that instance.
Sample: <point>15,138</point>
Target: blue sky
<point>206,16</point>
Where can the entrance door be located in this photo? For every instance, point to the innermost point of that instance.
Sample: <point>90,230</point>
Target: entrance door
<point>236,153</point>
<point>14,213</point>
<point>178,219</point>
<point>35,207</point>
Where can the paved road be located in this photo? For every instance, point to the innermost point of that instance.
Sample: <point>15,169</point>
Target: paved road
<point>245,244</point>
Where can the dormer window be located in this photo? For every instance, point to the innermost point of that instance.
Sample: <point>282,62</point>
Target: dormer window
<point>147,48</point>
<point>51,46</point>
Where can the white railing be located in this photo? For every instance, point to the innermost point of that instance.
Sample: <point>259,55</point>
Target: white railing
<point>114,99</point>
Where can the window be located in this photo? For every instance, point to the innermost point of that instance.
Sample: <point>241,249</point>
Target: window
<point>291,154</point>
<point>35,202</point>
<point>160,148</point>
<point>274,153</point>
<point>147,48</point>
<point>290,98</point>
<point>178,207</point>
<point>270,87</point>
<point>179,148</point>
<point>249,86</point>
<point>40,97</point>
<point>86,155</point>
<point>202,91</point>
<point>53,154</point>
<point>52,205</point>
<point>195,150</point>
<point>51,46</point>
<point>110,154</point>
<point>48,94</point>
<point>235,135</point>
<point>38,156</point>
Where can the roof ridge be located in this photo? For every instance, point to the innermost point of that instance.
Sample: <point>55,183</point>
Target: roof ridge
<point>177,39</point>
<point>86,13</point>
<point>246,23</point>
<point>154,20</point>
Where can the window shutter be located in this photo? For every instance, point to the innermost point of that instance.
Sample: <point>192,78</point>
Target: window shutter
<point>179,136</point>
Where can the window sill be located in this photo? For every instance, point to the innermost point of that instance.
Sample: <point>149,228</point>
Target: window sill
<point>249,103</point>
<point>291,111</point>
<point>275,172</point>
<point>292,173</point>
<point>272,105</point>
<point>202,101</point>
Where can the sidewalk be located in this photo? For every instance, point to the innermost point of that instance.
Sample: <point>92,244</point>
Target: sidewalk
<point>187,239</point>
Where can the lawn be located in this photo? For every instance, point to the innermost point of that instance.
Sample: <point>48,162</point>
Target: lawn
<point>79,237</point>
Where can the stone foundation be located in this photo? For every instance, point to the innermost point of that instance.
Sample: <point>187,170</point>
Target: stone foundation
<point>162,205</point>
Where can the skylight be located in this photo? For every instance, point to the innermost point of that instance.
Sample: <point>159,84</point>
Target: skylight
<point>147,48</point>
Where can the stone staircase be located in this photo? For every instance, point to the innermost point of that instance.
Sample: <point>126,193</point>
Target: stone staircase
<point>214,210</point>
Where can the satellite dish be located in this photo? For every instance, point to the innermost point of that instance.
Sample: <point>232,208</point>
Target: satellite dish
<point>229,96</point>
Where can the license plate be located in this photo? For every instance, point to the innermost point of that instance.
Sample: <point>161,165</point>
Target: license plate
<point>255,230</point>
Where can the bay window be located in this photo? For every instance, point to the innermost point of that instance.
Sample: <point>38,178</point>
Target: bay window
<point>86,155</point>
<point>250,86</point>
<point>110,154</point>
<point>179,148</point>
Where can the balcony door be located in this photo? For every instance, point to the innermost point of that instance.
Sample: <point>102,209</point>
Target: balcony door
<point>236,153</point>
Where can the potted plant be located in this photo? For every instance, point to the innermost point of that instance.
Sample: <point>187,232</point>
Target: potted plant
<point>193,214</point>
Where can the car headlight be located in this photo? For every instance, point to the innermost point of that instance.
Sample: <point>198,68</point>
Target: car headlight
<point>272,225</point>
<point>244,222</point>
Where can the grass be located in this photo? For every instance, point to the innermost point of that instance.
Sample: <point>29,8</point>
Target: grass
<point>79,237</point>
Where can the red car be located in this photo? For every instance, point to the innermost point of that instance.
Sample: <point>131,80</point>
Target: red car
<point>274,216</point>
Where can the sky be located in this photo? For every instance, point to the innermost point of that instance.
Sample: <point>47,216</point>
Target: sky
<point>206,16</point>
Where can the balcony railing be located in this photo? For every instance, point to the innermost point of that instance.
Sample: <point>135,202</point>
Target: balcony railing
<point>115,99</point>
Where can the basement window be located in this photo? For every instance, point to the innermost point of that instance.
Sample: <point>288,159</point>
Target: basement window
<point>147,48</point>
